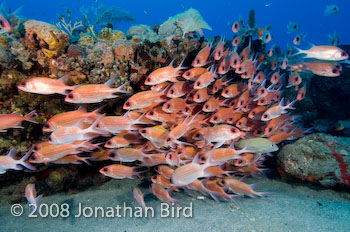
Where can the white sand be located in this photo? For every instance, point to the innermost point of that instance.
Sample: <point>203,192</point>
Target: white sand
<point>293,208</point>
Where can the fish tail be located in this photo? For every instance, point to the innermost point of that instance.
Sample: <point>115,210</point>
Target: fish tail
<point>120,88</point>
<point>28,117</point>
<point>23,160</point>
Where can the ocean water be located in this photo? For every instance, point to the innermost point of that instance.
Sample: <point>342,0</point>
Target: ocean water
<point>219,15</point>
<point>293,186</point>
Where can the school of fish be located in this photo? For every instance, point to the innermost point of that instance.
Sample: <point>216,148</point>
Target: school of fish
<point>198,128</point>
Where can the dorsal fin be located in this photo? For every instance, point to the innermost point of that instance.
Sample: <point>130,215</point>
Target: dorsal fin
<point>12,153</point>
<point>110,82</point>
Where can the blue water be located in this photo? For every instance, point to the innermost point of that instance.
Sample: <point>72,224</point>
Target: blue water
<point>218,14</point>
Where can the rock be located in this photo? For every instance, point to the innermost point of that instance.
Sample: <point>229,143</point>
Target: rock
<point>317,158</point>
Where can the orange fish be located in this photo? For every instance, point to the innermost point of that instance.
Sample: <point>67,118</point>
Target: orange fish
<point>201,95</point>
<point>94,93</point>
<point>144,99</point>
<point>168,73</point>
<point>127,154</point>
<point>177,106</point>
<point>31,196</point>
<point>119,171</point>
<point>52,152</point>
<point>124,140</point>
<point>205,79</point>
<point>241,188</point>
<point>44,85</point>
<point>163,194</point>
<point>72,159</point>
<point>276,111</point>
<point>14,120</point>
<point>70,118</point>
<point>202,56</point>
<point>301,93</point>
<point>139,197</point>
<point>221,115</point>
<point>193,73</point>
<point>219,49</point>
<point>65,135</point>
<point>179,89</point>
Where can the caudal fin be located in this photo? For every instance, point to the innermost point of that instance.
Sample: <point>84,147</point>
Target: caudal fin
<point>23,161</point>
<point>28,117</point>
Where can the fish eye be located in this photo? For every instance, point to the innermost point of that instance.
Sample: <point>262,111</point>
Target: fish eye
<point>70,96</point>
<point>148,79</point>
<point>35,148</point>
<point>46,126</point>
<point>203,158</point>
<point>241,102</point>
<point>154,177</point>
<point>168,139</point>
<point>143,131</point>
<point>98,125</point>
<point>198,83</point>
<point>206,107</point>
<point>50,139</point>
<point>343,54</point>
<point>109,143</point>
<point>334,70</point>
<point>197,96</point>
<point>112,155</point>
<point>240,161</point>
<point>127,104</point>
<point>262,100</point>
<point>170,156</point>
<point>197,61</point>
<point>235,62</point>
<point>265,116</point>
<point>233,130</point>
<point>32,157</point>
<point>172,91</point>
<point>215,118</point>
<point>239,123</point>
<point>253,112</point>
<point>187,109</point>
<point>151,113</point>
<point>262,91</point>
<point>105,169</point>
<point>270,129</point>
<point>197,135</point>
<point>295,26</point>
<point>226,91</point>
<point>230,119</point>
<point>23,83</point>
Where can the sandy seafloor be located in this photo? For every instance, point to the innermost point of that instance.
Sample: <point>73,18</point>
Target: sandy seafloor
<point>293,207</point>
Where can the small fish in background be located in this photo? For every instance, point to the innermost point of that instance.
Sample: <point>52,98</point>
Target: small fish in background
<point>324,52</point>
<point>236,26</point>
<point>334,39</point>
<point>331,10</point>
<point>9,162</point>
<point>31,196</point>
<point>267,37</point>
<point>292,27</point>
<point>299,38</point>
<point>139,197</point>
<point>5,25</point>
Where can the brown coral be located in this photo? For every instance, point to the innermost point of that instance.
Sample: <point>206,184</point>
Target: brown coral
<point>45,36</point>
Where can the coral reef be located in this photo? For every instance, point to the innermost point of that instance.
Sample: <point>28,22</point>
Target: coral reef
<point>183,23</point>
<point>317,158</point>
<point>142,32</point>
<point>45,36</point>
